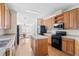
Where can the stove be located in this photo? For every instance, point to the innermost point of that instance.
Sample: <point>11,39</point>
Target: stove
<point>57,40</point>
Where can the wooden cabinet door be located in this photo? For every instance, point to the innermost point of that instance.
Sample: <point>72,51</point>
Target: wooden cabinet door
<point>64,45</point>
<point>49,39</point>
<point>67,20</point>
<point>77,50</point>
<point>78,18</point>
<point>48,23</point>
<point>71,47</point>
<point>68,46</point>
<point>76,47</point>
<point>73,19</point>
<point>7,18</point>
<point>2,15</point>
<point>41,47</point>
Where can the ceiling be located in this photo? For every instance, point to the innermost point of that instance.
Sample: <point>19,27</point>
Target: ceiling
<point>42,9</point>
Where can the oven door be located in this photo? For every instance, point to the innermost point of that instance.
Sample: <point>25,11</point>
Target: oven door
<point>56,42</point>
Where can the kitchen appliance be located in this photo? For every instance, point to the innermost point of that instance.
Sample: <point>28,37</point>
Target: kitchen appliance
<point>43,30</point>
<point>18,34</point>
<point>59,26</point>
<point>57,40</point>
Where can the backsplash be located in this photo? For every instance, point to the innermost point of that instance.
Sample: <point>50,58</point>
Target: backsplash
<point>72,32</point>
<point>69,32</point>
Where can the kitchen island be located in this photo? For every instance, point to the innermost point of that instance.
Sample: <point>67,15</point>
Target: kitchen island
<point>39,45</point>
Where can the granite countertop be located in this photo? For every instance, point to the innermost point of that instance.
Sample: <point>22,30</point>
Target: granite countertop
<point>11,38</point>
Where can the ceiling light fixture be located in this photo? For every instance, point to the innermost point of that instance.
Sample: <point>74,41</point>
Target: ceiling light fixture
<point>32,11</point>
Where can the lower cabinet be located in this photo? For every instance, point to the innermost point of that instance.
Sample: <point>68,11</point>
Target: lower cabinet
<point>76,48</point>
<point>49,39</point>
<point>10,51</point>
<point>64,44</point>
<point>40,46</point>
<point>68,46</point>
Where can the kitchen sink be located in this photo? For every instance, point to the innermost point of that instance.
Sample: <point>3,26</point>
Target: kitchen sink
<point>4,43</point>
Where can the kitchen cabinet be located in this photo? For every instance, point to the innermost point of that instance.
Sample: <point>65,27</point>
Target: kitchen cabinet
<point>10,51</point>
<point>73,19</point>
<point>7,18</point>
<point>77,47</point>
<point>64,44</point>
<point>40,46</point>
<point>2,15</point>
<point>71,47</point>
<point>59,18</point>
<point>77,17</point>
<point>49,40</point>
<point>67,20</point>
<point>47,22</point>
<point>68,46</point>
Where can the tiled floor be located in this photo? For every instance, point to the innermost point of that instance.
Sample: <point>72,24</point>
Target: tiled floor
<point>24,49</point>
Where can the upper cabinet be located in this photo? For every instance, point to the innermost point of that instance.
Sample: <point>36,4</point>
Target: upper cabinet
<point>7,17</point>
<point>71,19</point>
<point>48,22</point>
<point>59,18</point>
<point>77,17</point>
<point>67,20</point>
<point>4,16</point>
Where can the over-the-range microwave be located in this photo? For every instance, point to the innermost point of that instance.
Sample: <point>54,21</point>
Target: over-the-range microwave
<point>59,26</point>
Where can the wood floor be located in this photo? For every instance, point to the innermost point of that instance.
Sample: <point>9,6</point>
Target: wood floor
<point>54,52</point>
<point>24,49</point>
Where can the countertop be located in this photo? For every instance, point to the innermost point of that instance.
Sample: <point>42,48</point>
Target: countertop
<point>39,37</point>
<point>75,37</point>
<point>71,37</point>
<point>11,38</point>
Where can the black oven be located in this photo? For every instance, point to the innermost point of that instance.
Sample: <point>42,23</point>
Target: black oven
<point>57,40</point>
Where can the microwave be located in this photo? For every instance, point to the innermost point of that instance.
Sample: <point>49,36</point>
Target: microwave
<point>59,26</point>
